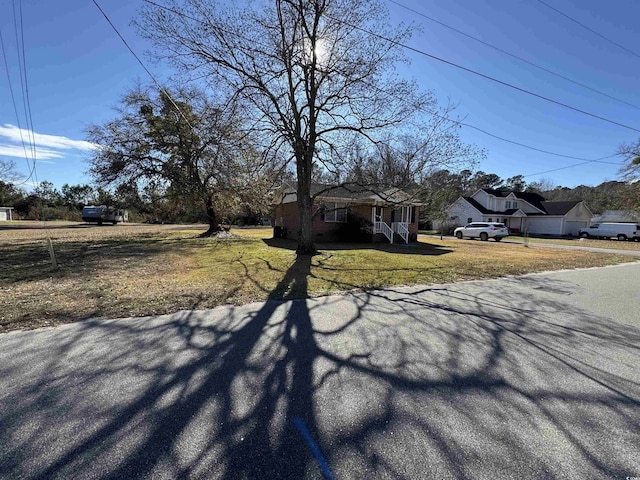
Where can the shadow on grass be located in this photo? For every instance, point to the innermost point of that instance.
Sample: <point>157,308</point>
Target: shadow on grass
<point>431,383</point>
<point>415,248</point>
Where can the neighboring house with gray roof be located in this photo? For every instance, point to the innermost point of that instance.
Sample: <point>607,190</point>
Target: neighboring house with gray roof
<point>617,216</point>
<point>521,212</point>
<point>388,215</point>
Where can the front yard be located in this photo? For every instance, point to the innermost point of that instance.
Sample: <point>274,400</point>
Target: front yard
<point>138,270</point>
<point>581,242</point>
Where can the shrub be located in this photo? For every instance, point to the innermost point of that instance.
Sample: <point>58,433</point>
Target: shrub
<point>355,229</point>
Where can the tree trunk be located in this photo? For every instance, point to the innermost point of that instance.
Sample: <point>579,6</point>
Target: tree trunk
<point>305,243</point>
<point>214,225</point>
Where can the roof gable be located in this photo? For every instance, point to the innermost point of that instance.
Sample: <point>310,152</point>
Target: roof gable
<point>477,205</point>
<point>559,208</point>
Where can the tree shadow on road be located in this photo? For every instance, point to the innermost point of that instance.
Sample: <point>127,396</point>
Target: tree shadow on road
<point>446,381</point>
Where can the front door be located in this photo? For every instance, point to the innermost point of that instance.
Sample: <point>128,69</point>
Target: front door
<point>376,214</point>
<point>401,214</point>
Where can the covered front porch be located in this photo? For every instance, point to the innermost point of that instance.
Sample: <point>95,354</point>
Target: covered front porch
<point>515,221</point>
<point>392,221</point>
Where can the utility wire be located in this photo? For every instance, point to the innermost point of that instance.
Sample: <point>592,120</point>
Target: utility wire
<point>488,77</point>
<point>426,54</point>
<point>26,86</point>
<point>524,60</point>
<point>30,168</point>
<point>622,47</point>
<point>19,35</point>
<point>503,139</point>
<point>160,87</point>
<point>22,61</point>
<point>22,64</point>
<point>22,68</point>
<point>468,125</point>
<point>586,161</point>
<point>555,169</point>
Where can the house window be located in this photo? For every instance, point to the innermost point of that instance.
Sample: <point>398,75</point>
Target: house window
<point>401,214</point>
<point>469,220</point>
<point>515,204</point>
<point>490,219</point>
<point>335,212</point>
<point>507,204</point>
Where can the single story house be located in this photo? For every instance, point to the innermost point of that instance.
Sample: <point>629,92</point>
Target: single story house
<point>616,216</point>
<point>522,212</point>
<point>5,214</point>
<point>386,216</point>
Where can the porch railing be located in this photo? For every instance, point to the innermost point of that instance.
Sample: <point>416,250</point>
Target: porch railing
<point>382,227</point>
<point>402,229</point>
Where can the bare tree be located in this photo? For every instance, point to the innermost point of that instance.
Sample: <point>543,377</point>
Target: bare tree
<point>8,170</point>
<point>543,185</point>
<point>310,71</point>
<point>631,154</point>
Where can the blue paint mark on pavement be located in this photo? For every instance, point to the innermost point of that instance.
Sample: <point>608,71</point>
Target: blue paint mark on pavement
<point>299,423</point>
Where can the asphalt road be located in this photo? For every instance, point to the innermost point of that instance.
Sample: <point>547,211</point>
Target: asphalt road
<point>528,377</point>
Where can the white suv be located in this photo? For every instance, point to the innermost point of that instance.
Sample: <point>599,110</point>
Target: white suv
<point>483,231</point>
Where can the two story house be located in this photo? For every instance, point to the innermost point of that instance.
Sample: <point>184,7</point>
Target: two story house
<point>521,212</point>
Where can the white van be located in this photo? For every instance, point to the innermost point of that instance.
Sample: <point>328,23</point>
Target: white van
<point>621,231</point>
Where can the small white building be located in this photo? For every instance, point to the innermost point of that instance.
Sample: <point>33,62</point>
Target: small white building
<point>5,214</point>
<point>521,212</point>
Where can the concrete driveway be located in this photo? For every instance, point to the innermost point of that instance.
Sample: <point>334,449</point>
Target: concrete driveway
<point>528,377</point>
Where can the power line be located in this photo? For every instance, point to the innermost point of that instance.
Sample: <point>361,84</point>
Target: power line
<point>31,168</point>
<point>585,160</point>
<point>555,169</point>
<point>457,122</point>
<point>15,109</point>
<point>488,77</point>
<point>599,160</point>
<point>524,60</point>
<point>22,64</point>
<point>160,87</point>
<point>622,47</point>
<point>26,85</point>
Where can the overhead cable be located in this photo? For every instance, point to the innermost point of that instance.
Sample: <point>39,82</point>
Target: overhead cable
<point>488,77</point>
<point>160,87</point>
<point>622,47</point>
<point>548,152</point>
<point>517,57</point>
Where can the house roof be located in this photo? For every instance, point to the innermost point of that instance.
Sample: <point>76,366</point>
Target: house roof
<point>546,208</point>
<point>478,206</point>
<point>354,193</point>
<point>534,199</point>
<point>348,193</point>
<point>559,208</point>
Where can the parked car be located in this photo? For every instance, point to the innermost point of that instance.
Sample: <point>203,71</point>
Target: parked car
<point>483,231</point>
<point>103,213</point>
<point>621,231</point>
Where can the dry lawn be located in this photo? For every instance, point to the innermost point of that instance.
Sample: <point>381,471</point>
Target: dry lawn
<point>582,242</point>
<point>138,270</point>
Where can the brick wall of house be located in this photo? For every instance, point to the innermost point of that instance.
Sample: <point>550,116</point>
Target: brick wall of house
<point>286,215</point>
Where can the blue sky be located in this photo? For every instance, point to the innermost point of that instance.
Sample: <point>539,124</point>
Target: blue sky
<point>77,69</point>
